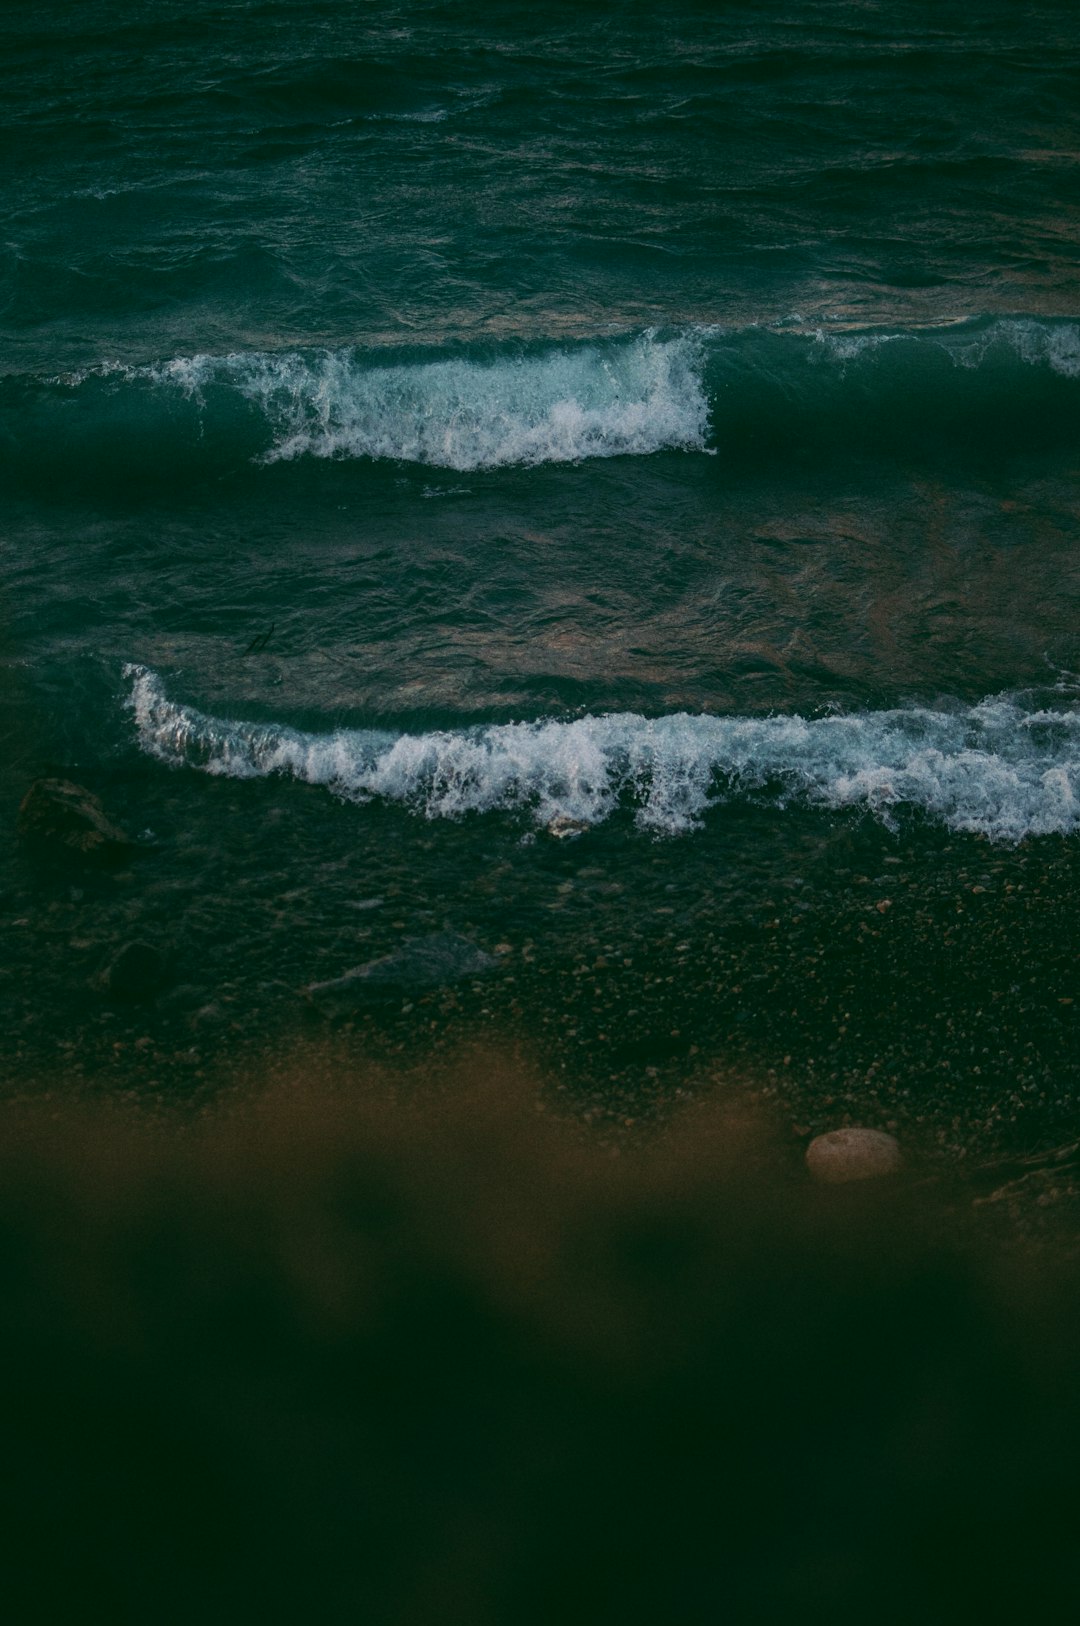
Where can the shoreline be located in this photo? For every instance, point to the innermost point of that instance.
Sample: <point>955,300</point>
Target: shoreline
<point>824,971</point>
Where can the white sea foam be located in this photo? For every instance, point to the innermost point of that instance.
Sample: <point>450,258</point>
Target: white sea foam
<point>1037,344</point>
<point>997,768</point>
<point>557,406</point>
<point>616,396</point>
<point>850,346</point>
<point>1054,345</point>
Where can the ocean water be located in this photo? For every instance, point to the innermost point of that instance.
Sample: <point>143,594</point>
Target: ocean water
<point>599,479</point>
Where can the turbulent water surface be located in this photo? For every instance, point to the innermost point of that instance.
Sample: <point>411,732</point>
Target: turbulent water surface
<point>597,478</point>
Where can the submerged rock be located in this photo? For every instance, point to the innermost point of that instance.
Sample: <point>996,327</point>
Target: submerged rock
<point>59,814</point>
<point>423,962</point>
<point>853,1154</point>
<point>564,828</point>
<point>136,971</point>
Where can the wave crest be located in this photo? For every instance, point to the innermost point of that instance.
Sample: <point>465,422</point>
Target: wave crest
<point>756,397</point>
<point>997,768</point>
<point>557,406</point>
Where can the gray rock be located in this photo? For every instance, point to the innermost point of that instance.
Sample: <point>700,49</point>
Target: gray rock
<point>58,814</point>
<point>853,1154</point>
<point>421,963</point>
<point>136,971</point>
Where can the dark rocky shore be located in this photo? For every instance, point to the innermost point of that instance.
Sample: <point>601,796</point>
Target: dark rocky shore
<point>924,986</point>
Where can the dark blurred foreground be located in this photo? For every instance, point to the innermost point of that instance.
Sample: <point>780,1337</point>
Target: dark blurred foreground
<point>348,1354</point>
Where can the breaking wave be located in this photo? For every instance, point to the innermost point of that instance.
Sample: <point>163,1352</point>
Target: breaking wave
<point>554,407</point>
<point>751,395</point>
<point>628,398</point>
<point>998,768</point>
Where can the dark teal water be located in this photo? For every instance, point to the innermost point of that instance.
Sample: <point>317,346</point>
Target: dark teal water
<point>423,425</point>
